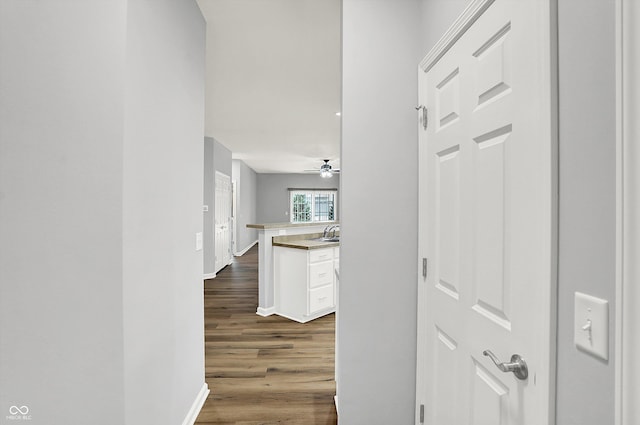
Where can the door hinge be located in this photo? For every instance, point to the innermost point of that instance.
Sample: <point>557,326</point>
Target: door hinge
<point>424,267</point>
<point>422,413</point>
<point>423,115</point>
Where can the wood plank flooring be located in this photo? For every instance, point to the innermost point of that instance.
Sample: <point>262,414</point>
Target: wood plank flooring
<point>263,370</point>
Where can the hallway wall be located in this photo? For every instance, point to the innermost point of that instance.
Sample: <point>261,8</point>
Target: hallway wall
<point>246,204</point>
<point>61,132</point>
<point>587,201</point>
<point>209,199</point>
<point>101,127</point>
<point>162,211</point>
<point>378,268</point>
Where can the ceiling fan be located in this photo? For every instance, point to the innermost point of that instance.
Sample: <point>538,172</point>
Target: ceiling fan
<point>325,170</point>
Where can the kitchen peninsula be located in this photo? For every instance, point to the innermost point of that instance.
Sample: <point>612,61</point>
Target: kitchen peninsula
<point>266,234</point>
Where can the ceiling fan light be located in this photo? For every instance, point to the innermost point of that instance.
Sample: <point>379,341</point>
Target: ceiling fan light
<point>325,174</point>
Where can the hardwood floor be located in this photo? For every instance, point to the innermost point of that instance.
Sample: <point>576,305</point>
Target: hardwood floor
<point>263,370</point>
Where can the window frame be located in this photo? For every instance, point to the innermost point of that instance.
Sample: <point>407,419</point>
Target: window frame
<point>312,213</point>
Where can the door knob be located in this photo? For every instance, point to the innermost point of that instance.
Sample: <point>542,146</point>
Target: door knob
<point>517,365</point>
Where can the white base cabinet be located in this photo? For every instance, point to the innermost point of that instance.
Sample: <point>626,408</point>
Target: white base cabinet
<point>305,286</point>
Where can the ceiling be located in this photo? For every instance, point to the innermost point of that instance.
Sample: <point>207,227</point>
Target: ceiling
<point>273,81</point>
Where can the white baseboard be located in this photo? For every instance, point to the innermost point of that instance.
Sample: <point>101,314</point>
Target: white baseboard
<point>307,317</point>
<point>191,417</point>
<point>244,251</point>
<point>264,312</point>
<point>208,276</point>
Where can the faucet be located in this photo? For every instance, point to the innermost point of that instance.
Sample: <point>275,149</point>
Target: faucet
<point>329,229</point>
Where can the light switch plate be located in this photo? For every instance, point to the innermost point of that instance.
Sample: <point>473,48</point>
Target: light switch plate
<point>591,325</point>
<point>198,241</point>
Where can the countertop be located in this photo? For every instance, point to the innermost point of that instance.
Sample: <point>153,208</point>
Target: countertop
<point>306,241</point>
<point>265,226</point>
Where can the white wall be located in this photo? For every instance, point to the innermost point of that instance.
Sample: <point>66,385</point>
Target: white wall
<point>378,264</point>
<point>208,238</point>
<point>587,201</point>
<point>101,126</point>
<point>162,211</point>
<point>383,42</point>
<point>246,204</point>
<point>61,131</point>
<point>273,193</point>
<point>221,158</point>
<point>436,18</point>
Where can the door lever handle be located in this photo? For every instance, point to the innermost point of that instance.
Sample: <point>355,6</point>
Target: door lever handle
<point>517,365</point>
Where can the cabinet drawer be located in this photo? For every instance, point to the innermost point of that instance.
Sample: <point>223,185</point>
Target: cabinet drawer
<point>320,274</point>
<point>316,255</point>
<point>320,298</point>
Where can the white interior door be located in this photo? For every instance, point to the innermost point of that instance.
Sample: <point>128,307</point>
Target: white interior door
<point>487,218</point>
<point>223,220</point>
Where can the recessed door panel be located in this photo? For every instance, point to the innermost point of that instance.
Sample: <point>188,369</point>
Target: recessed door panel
<point>491,283</point>
<point>445,383</point>
<point>448,178</point>
<point>490,398</point>
<point>448,100</point>
<point>494,67</point>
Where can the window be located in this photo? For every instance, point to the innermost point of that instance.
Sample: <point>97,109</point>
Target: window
<point>308,205</point>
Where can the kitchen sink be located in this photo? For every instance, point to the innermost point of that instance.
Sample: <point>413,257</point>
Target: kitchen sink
<point>331,239</point>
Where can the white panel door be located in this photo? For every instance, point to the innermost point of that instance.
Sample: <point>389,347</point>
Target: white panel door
<point>487,217</point>
<point>223,221</point>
